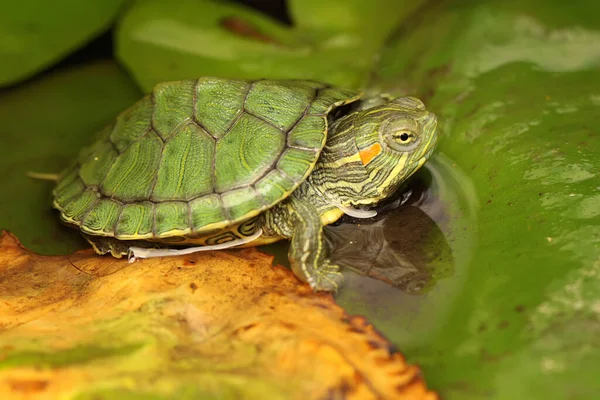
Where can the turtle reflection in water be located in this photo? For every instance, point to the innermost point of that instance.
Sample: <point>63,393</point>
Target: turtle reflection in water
<point>214,163</point>
<point>403,245</point>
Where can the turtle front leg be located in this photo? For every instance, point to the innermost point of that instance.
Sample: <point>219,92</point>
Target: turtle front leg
<point>299,221</point>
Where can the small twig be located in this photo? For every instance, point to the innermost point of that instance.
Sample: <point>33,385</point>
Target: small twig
<point>42,176</point>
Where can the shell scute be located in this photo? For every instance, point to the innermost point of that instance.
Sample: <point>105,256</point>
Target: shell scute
<point>102,218</point>
<point>100,159</point>
<point>132,124</point>
<point>136,221</point>
<point>207,211</point>
<point>171,216</point>
<point>241,202</point>
<point>308,133</point>
<point>274,186</point>
<point>280,104</point>
<point>77,209</point>
<point>69,187</point>
<point>133,173</point>
<point>294,161</point>
<point>246,153</point>
<point>101,137</point>
<point>173,106</point>
<point>186,167</point>
<point>218,103</point>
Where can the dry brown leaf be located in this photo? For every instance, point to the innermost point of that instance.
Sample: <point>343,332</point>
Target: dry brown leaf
<point>211,325</point>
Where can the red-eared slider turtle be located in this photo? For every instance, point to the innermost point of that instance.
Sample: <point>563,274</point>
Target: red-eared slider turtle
<point>214,163</point>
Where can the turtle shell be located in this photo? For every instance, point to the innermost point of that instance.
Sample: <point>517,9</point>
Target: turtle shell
<point>197,156</point>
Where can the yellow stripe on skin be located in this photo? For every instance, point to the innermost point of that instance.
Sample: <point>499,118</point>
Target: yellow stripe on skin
<point>343,161</point>
<point>396,171</point>
<point>327,218</point>
<point>428,146</point>
<point>330,216</point>
<point>359,187</point>
<point>381,110</point>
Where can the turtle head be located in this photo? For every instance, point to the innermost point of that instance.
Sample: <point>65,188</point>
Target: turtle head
<point>393,141</point>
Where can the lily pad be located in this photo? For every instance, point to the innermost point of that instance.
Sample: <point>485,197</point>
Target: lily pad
<point>516,88</point>
<point>217,325</point>
<point>34,34</point>
<point>354,21</point>
<point>182,39</point>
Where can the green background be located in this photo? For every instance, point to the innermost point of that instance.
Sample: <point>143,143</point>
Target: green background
<point>516,86</point>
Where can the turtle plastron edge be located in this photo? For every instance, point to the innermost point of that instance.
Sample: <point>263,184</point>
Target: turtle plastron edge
<point>142,252</point>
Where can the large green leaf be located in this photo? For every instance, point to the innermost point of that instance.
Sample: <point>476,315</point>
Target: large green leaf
<point>36,33</point>
<point>337,41</point>
<point>350,21</point>
<point>44,124</point>
<point>516,86</point>
<point>517,89</point>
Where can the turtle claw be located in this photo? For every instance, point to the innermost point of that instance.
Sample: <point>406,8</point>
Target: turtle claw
<point>328,278</point>
<point>131,258</point>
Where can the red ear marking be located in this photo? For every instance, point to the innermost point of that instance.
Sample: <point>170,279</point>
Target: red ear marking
<point>368,154</point>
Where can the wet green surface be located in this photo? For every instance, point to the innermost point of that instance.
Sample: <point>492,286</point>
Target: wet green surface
<point>335,41</point>
<point>34,34</point>
<point>519,99</point>
<point>515,182</point>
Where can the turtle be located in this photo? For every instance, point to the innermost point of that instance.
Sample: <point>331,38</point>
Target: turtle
<point>212,163</point>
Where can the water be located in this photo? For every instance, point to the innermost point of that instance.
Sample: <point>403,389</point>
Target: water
<point>428,240</point>
<point>403,267</point>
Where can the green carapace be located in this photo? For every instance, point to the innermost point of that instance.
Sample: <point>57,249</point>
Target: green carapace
<point>215,163</point>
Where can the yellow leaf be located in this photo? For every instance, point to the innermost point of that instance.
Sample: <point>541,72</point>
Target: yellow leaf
<point>210,325</point>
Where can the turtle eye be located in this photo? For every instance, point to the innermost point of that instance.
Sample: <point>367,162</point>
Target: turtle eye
<point>403,137</point>
<point>402,140</point>
<point>400,133</point>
